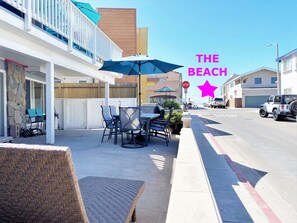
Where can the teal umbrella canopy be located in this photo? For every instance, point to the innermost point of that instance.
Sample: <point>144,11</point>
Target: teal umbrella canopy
<point>88,10</point>
<point>138,65</point>
<point>166,89</point>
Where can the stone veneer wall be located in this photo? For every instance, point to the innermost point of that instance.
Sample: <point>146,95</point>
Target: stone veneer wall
<point>16,94</point>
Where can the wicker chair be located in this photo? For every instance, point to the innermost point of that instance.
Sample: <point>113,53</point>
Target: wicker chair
<point>38,184</point>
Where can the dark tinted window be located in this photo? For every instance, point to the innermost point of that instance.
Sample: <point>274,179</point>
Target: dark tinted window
<point>277,99</point>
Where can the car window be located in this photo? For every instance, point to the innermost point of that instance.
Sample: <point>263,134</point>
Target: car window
<point>277,99</point>
<point>271,99</point>
<point>289,98</point>
<point>218,99</point>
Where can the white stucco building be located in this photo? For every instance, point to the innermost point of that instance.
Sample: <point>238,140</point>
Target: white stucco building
<point>40,42</point>
<point>288,66</point>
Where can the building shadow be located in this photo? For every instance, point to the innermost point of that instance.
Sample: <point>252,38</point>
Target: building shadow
<point>223,175</point>
<point>217,132</point>
<point>207,121</point>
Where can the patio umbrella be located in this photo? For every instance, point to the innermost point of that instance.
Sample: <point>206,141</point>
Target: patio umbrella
<point>138,65</point>
<point>88,10</point>
<point>166,90</point>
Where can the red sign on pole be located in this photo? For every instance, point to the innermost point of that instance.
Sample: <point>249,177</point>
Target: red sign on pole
<point>185,84</point>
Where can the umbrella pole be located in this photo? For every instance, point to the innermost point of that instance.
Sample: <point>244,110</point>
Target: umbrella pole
<point>139,91</point>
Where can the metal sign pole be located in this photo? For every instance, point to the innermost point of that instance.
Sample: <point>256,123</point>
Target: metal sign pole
<point>185,103</point>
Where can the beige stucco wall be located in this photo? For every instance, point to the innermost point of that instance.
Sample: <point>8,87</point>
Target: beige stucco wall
<point>266,79</point>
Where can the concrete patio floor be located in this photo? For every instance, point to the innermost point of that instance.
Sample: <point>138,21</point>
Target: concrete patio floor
<point>152,164</point>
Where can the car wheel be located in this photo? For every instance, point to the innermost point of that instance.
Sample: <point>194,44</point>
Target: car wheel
<point>276,117</point>
<point>263,113</point>
<point>195,107</point>
<point>293,107</point>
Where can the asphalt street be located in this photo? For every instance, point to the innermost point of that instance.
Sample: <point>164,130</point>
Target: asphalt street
<point>262,156</point>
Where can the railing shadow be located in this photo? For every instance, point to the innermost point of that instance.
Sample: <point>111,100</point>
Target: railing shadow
<point>222,178</point>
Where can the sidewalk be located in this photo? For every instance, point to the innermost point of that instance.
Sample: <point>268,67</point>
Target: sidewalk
<point>233,195</point>
<point>152,164</point>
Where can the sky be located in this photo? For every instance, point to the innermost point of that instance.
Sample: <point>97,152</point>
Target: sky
<point>239,31</point>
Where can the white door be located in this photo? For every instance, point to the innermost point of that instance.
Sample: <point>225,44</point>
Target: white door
<point>3,124</point>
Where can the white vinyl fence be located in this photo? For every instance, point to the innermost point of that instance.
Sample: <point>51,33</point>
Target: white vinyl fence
<point>85,113</point>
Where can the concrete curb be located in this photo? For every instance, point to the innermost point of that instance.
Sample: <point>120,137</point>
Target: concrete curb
<point>191,198</point>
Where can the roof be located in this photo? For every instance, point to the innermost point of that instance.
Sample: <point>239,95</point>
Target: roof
<point>286,55</point>
<point>236,76</point>
<point>256,70</point>
<point>231,78</point>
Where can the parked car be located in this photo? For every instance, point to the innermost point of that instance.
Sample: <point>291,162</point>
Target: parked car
<point>217,103</point>
<point>280,106</point>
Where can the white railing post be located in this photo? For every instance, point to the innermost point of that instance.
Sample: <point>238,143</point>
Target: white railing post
<point>70,29</point>
<point>94,45</point>
<point>50,102</point>
<point>28,16</point>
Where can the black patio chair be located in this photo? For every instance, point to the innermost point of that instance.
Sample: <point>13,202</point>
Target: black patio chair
<point>160,128</point>
<point>109,122</point>
<point>114,111</point>
<point>131,126</point>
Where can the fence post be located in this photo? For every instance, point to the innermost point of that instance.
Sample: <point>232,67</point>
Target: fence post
<point>87,114</point>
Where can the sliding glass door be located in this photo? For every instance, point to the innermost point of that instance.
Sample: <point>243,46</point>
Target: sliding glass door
<point>35,95</point>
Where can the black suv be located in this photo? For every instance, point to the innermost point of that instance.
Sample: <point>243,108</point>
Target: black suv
<point>280,106</point>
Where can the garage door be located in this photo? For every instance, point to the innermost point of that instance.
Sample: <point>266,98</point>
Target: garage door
<point>255,101</point>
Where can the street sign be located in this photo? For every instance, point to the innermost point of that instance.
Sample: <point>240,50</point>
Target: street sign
<point>186,90</point>
<point>185,84</point>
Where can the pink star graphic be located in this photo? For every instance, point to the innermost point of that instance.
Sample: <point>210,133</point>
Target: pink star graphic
<point>207,89</point>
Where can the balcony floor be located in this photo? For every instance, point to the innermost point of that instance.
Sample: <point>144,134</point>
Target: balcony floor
<point>152,164</point>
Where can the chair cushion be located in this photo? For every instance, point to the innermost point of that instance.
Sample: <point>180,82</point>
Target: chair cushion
<point>110,200</point>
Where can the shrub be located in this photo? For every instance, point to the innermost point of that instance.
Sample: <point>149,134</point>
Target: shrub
<point>171,104</point>
<point>176,117</point>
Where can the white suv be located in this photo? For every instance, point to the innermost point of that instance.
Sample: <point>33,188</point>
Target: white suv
<point>280,106</point>
<point>217,103</point>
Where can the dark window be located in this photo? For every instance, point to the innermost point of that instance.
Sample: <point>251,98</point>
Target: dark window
<point>258,80</point>
<point>273,80</point>
<point>277,99</point>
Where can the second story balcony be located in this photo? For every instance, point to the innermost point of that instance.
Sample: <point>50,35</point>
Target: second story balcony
<point>61,20</point>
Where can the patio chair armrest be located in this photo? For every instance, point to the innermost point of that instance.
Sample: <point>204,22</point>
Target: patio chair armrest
<point>160,122</point>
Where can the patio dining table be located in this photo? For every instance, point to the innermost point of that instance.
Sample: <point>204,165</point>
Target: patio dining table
<point>144,118</point>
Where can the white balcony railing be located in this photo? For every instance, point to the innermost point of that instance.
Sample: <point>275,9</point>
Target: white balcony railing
<point>63,18</point>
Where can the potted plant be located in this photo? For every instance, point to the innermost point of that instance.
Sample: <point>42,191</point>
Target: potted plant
<point>175,122</point>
